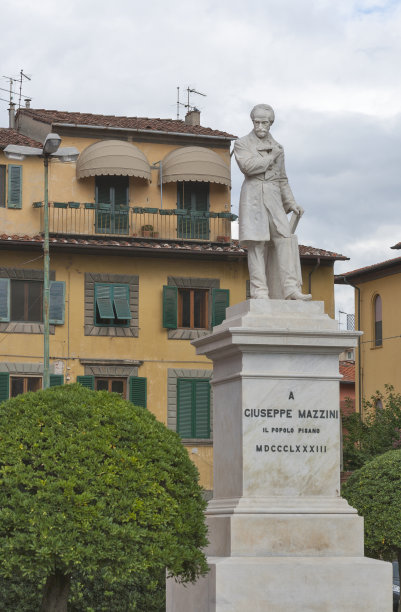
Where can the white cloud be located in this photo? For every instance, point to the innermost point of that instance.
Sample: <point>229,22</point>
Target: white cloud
<point>328,68</point>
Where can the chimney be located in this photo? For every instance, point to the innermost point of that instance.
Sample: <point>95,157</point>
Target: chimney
<point>193,117</point>
<point>28,102</point>
<point>11,116</point>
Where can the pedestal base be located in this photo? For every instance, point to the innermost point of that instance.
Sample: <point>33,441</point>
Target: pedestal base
<point>287,584</point>
<point>281,537</point>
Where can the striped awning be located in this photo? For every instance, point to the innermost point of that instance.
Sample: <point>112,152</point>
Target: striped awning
<point>195,164</point>
<point>115,157</point>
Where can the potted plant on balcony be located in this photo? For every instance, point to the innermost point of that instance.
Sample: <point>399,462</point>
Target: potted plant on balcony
<point>147,230</point>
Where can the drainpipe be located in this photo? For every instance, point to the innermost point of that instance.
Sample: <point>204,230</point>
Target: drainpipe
<point>310,275</point>
<point>359,343</point>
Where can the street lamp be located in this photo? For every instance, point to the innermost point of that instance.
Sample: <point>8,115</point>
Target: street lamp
<point>50,150</point>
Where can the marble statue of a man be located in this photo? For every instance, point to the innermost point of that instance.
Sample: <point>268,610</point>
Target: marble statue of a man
<point>266,198</point>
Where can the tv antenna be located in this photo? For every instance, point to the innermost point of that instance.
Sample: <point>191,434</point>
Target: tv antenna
<point>11,91</point>
<point>188,106</point>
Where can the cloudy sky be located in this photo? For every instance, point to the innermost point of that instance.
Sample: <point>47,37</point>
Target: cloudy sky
<point>330,68</point>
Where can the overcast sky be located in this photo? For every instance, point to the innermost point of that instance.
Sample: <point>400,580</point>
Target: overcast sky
<point>330,68</point>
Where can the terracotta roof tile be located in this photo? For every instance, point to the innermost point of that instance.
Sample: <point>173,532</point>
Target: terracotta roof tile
<point>378,266</point>
<point>134,123</point>
<point>206,247</point>
<point>314,252</point>
<point>9,136</point>
<point>347,369</point>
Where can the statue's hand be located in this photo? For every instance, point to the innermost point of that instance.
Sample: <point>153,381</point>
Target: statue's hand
<point>297,209</point>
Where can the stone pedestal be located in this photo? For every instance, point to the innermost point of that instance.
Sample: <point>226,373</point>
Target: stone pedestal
<point>281,537</point>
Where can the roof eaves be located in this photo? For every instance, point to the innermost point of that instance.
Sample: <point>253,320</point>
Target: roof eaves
<point>141,131</point>
<point>340,279</point>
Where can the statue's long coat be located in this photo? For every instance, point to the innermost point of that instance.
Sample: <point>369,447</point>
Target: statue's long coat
<point>264,189</point>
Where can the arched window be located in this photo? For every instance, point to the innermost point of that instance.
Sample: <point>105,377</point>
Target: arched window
<point>378,321</point>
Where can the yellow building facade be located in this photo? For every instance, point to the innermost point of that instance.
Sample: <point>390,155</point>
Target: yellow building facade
<point>377,299</point>
<point>141,263</point>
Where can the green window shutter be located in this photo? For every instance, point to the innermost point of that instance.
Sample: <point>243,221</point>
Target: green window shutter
<point>121,302</point>
<point>170,299</point>
<point>202,408</point>
<point>184,408</point>
<point>103,297</point>
<point>193,408</point>
<point>220,301</point>
<point>2,186</point>
<point>57,300</point>
<point>4,299</point>
<point>137,391</point>
<point>14,186</point>
<point>56,379</point>
<point>4,386</point>
<point>87,381</point>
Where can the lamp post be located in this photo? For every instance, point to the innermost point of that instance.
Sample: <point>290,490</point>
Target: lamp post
<point>50,151</point>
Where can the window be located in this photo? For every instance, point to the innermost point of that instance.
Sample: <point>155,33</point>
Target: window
<point>23,384</point>
<point>192,308</point>
<point>193,408</point>
<point>112,385</point>
<point>193,305</point>
<point>26,301</point>
<point>22,301</point>
<point>118,314</point>
<point>112,305</point>
<point>193,197</point>
<point>19,382</point>
<point>378,321</point>
<point>112,210</point>
<point>137,386</point>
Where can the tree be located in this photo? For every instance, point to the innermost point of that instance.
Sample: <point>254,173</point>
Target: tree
<point>91,485</point>
<point>378,432</point>
<point>375,491</point>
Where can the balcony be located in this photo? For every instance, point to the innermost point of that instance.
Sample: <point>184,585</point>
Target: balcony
<point>89,219</point>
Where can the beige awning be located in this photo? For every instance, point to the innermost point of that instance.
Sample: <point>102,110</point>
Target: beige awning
<point>113,157</point>
<point>195,164</point>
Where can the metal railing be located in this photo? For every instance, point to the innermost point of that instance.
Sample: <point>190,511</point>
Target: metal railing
<point>89,219</point>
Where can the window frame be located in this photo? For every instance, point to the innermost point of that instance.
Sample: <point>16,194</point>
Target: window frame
<point>108,321</point>
<point>204,316</point>
<point>26,300</point>
<point>170,291</point>
<point>25,378</point>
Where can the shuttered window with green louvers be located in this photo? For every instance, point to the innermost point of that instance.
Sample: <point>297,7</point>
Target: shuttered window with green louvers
<point>193,408</point>
<point>2,186</point>
<point>14,199</point>
<point>4,386</point>
<point>87,381</point>
<point>220,301</point>
<point>138,391</point>
<point>56,380</point>
<point>112,307</point>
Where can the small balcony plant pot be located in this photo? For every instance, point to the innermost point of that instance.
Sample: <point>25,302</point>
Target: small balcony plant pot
<point>146,230</point>
<point>154,234</point>
<point>223,239</point>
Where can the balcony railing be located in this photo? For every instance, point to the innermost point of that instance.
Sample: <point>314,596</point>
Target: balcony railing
<point>89,219</point>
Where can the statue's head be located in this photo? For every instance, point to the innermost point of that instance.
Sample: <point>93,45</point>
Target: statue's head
<point>262,116</point>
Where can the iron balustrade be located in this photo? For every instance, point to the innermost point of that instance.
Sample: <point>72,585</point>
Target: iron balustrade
<point>90,219</point>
